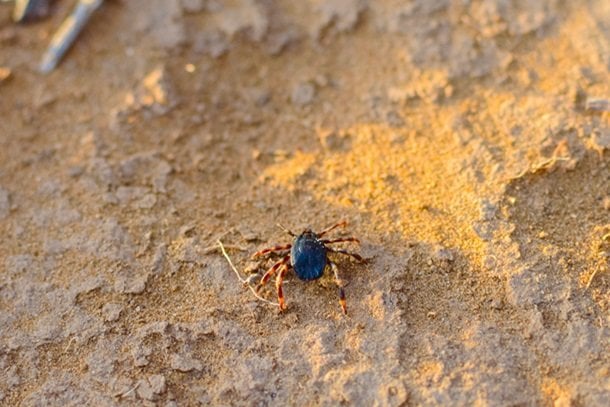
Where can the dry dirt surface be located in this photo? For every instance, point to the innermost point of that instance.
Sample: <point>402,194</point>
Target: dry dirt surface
<point>454,136</point>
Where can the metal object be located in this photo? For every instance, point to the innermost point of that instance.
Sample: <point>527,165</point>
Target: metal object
<point>67,33</point>
<point>26,10</point>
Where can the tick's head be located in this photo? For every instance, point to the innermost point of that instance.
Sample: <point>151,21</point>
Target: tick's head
<point>308,233</point>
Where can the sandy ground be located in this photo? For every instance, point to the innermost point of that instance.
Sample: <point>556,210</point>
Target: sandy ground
<point>452,135</point>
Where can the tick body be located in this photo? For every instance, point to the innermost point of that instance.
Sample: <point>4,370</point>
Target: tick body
<point>308,257</point>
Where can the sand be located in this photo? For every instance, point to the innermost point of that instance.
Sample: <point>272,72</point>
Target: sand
<point>458,139</point>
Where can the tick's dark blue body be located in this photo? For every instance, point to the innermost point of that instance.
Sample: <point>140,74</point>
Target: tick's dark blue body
<point>308,256</point>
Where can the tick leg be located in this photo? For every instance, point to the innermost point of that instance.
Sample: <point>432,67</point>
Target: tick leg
<point>339,240</point>
<point>343,223</point>
<point>271,250</point>
<point>278,283</point>
<point>279,225</point>
<point>339,283</point>
<point>284,261</point>
<point>342,251</point>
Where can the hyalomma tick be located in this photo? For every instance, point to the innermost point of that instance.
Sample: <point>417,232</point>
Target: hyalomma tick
<point>308,257</point>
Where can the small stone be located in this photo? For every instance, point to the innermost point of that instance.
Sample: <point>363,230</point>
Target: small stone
<point>193,6</point>
<point>490,263</point>
<point>400,94</point>
<point>140,361</point>
<point>277,42</point>
<point>342,15</point>
<point>606,203</point>
<point>5,73</point>
<point>148,201</point>
<point>159,258</point>
<point>487,210</point>
<point>186,230</point>
<point>600,140</point>
<point>5,203</point>
<point>128,194</point>
<point>131,285</point>
<point>252,267</point>
<point>75,171</point>
<point>213,43</point>
<point>184,363</point>
<point>322,80</point>
<point>258,96</point>
<point>563,401</point>
<point>496,304</point>
<point>333,140</point>
<point>248,234</point>
<point>122,387</point>
<point>144,390</point>
<point>156,93</point>
<point>12,378</point>
<point>394,119</point>
<point>303,94</point>
<point>443,254</point>
<point>157,383</point>
<point>110,198</point>
<point>111,312</point>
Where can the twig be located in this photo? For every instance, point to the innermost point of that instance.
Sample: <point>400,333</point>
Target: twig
<point>591,278</point>
<point>279,225</point>
<point>130,390</point>
<point>214,248</point>
<point>69,344</point>
<point>244,282</point>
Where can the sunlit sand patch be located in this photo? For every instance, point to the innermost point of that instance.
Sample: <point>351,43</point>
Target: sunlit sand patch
<point>555,393</point>
<point>407,179</point>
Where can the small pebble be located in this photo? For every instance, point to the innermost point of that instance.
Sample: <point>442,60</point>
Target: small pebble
<point>157,383</point>
<point>5,203</point>
<point>496,304</point>
<point>252,267</point>
<point>303,94</point>
<point>5,73</point>
<point>144,390</point>
<point>193,6</point>
<point>185,363</point>
<point>111,312</point>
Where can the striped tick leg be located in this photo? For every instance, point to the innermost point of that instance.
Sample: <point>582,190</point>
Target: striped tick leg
<point>271,250</point>
<point>343,223</point>
<point>345,252</point>
<point>278,284</point>
<point>279,225</point>
<point>340,284</point>
<point>283,262</point>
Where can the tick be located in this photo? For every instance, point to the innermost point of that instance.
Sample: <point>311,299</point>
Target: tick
<point>308,257</point>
